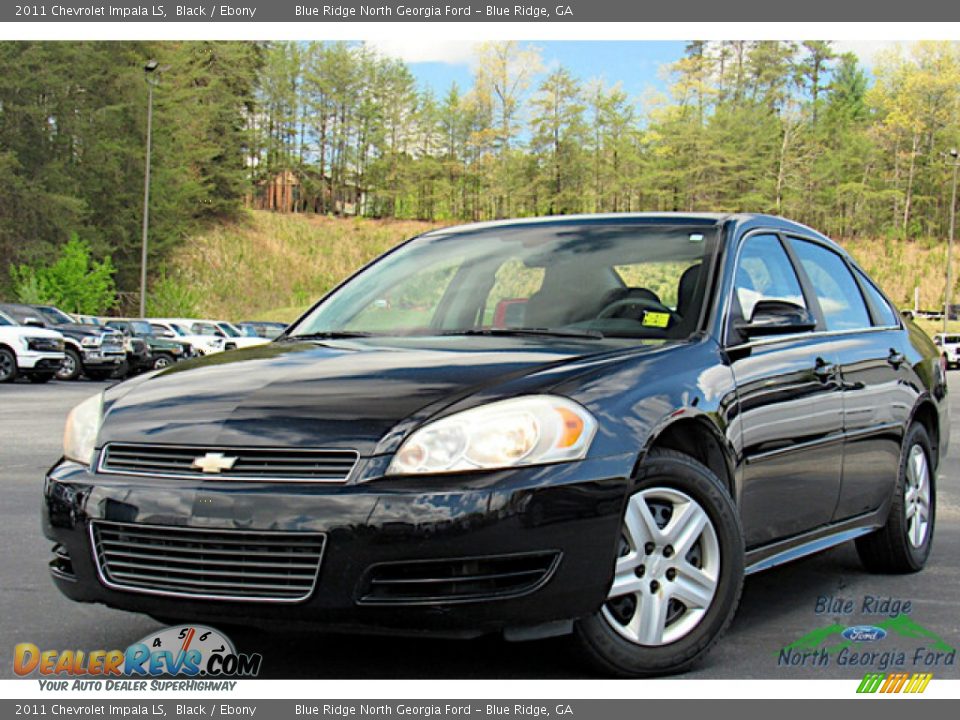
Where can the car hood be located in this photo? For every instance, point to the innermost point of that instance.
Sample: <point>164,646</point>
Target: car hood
<point>30,331</point>
<point>78,330</point>
<point>338,394</point>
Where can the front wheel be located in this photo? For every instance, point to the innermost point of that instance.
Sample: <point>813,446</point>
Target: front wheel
<point>162,361</point>
<point>678,573</point>
<point>903,544</point>
<point>70,367</point>
<point>8,366</point>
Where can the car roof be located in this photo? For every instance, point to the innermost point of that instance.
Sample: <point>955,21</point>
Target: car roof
<point>741,222</point>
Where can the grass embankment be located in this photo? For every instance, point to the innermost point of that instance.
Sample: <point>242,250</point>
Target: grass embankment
<point>271,266</point>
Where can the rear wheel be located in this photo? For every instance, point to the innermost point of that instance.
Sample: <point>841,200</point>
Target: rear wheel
<point>8,366</point>
<point>678,573</point>
<point>70,367</point>
<point>903,544</point>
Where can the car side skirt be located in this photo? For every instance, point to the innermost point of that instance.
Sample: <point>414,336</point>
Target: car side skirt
<point>809,543</point>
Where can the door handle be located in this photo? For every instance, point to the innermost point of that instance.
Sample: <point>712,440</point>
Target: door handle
<point>895,358</point>
<point>824,370</point>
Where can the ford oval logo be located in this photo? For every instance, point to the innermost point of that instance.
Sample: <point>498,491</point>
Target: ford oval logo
<point>864,633</point>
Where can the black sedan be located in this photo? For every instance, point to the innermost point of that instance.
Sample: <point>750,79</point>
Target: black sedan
<point>592,426</point>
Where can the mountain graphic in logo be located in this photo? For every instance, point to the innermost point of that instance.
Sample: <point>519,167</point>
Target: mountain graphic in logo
<point>834,638</point>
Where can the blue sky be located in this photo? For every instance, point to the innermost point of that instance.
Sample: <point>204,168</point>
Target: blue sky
<point>636,65</point>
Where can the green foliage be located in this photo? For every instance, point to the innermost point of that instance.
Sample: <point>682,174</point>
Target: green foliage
<point>74,282</point>
<point>170,296</point>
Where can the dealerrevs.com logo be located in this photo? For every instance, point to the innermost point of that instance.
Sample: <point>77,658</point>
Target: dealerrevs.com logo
<point>191,651</point>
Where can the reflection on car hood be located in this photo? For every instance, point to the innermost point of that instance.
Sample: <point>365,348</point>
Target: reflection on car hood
<point>336,394</point>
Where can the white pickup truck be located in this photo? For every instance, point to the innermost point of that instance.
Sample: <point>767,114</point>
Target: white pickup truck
<point>949,344</point>
<point>233,337</point>
<point>179,329</point>
<point>34,352</point>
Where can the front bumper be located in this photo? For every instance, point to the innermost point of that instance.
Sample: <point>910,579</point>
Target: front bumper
<point>572,510</point>
<point>39,361</point>
<point>96,358</point>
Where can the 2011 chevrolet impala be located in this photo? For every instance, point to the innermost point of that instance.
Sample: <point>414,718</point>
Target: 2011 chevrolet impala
<point>593,425</point>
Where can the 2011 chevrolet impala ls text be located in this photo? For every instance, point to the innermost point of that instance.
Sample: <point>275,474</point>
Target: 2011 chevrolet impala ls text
<point>591,425</point>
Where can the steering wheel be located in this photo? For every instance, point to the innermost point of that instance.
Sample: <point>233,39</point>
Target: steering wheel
<point>645,303</point>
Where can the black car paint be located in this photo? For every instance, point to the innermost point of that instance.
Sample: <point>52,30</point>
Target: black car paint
<point>801,487</point>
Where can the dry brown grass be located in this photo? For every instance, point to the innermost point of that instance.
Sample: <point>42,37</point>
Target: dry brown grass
<point>272,266</point>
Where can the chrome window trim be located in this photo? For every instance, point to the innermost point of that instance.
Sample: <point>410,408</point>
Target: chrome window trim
<point>201,596</point>
<point>102,470</point>
<point>785,235</point>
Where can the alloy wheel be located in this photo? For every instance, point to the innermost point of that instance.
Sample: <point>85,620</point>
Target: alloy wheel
<point>916,496</point>
<point>68,367</point>
<point>6,366</point>
<point>668,569</point>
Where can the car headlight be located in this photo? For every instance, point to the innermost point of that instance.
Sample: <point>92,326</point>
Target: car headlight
<point>529,430</point>
<point>80,434</point>
<point>90,341</point>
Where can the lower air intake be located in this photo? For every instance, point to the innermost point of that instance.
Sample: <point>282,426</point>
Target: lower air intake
<point>457,580</point>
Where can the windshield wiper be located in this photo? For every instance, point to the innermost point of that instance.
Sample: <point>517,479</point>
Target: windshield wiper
<point>551,332</point>
<point>329,335</point>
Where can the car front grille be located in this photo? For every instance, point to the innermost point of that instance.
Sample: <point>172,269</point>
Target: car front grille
<point>247,463</point>
<point>207,564</point>
<point>457,580</point>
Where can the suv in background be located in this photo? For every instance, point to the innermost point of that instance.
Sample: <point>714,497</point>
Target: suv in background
<point>233,338</point>
<point>94,351</point>
<point>179,329</point>
<point>160,352</point>
<point>34,352</point>
<point>949,345</point>
<point>262,328</point>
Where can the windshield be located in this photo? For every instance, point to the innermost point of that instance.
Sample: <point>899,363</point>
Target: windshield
<point>141,328</point>
<point>54,316</point>
<point>4,320</point>
<point>229,329</point>
<point>594,279</point>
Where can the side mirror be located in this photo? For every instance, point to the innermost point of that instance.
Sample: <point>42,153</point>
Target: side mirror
<point>776,317</point>
<point>33,322</point>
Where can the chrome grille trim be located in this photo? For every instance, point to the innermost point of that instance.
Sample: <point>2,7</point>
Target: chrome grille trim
<point>144,565</point>
<point>253,463</point>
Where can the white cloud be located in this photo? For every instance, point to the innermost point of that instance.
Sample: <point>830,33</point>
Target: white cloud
<point>417,50</point>
<point>866,50</point>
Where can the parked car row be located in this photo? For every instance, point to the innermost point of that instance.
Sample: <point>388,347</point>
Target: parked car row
<point>41,342</point>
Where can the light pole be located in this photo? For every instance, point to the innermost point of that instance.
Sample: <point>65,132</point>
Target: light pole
<point>148,71</point>
<point>953,224</point>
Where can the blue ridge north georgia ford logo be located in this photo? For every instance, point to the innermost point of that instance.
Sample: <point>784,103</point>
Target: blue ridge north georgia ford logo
<point>864,633</point>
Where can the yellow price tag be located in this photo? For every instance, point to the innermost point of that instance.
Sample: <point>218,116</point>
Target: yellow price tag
<point>656,319</point>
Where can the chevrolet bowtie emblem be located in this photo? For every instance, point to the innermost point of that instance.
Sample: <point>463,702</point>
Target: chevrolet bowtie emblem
<point>213,462</point>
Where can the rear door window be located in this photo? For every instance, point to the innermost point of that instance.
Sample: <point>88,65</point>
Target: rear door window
<point>837,292</point>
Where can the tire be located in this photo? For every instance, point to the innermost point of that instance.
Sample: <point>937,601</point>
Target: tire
<point>667,482</point>
<point>120,372</point>
<point>70,369</point>
<point>100,374</point>
<point>903,544</point>
<point>8,365</point>
<point>163,361</point>
<point>40,377</point>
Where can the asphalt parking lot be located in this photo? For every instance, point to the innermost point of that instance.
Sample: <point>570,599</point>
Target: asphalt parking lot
<point>777,608</point>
